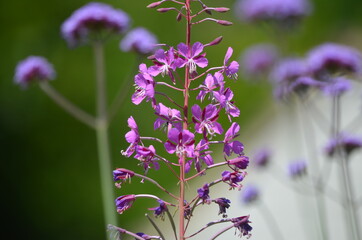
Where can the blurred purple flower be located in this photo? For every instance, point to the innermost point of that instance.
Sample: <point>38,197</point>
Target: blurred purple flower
<point>93,17</point>
<point>192,57</point>
<point>160,210</point>
<point>200,155</point>
<point>124,202</point>
<point>180,142</point>
<point>205,120</point>
<point>132,137</point>
<point>302,84</point>
<point>242,224</point>
<point>250,194</point>
<point>167,117</point>
<point>223,205</point>
<point>297,168</point>
<point>330,58</point>
<point>259,59</point>
<point>262,157</point>
<point>348,143</point>
<point>272,10</point>
<point>33,68</point>
<point>139,40</point>
<point>288,70</point>
<point>336,87</point>
<point>231,146</point>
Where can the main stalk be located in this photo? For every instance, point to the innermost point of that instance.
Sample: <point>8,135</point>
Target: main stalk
<point>185,123</point>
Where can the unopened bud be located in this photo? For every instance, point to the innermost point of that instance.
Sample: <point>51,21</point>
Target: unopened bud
<point>155,4</point>
<point>224,22</point>
<point>162,10</point>
<point>216,41</point>
<point>221,9</point>
<point>179,17</point>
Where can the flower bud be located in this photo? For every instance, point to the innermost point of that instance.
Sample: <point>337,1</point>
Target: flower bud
<point>155,4</point>
<point>221,9</point>
<point>163,10</point>
<point>216,41</point>
<point>224,22</point>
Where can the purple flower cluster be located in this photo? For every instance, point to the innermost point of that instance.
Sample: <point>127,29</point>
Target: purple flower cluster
<point>139,40</point>
<point>344,142</point>
<point>297,168</point>
<point>272,10</point>
<point>92,19</point>
<point>32,69</point>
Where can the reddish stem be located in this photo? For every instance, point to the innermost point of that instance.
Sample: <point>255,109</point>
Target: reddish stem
<point>185,124</point>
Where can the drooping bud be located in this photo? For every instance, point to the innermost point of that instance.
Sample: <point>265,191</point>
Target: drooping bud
<point>124,202</point>
<point>155,4</point>
<point>224,22</point>
<point>240,162</point>
<point>179,17</point>
<point>214,42</point>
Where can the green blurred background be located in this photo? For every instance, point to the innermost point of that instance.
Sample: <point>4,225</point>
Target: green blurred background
<point>49,172</point>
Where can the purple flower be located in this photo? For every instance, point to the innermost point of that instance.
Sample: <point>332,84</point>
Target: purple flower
<point>289,69</point>
<point>297,168</point>
<point>124,202</point>
<point>139,40</point>
<point>187,213</point>
<point>200,155</point>
<point>167,117</point>
<point>262,157</point>
<point>192,57</point>
<point>33,68</point>
<point>145,89</point>
<point>231,146</point>
<point>144,236</point>
<point>348,144</point>
<point>233,179</point>
<point>250,194</point>
<point>210,84</point>
<point>223,205</point>
<point>180,142</point>
<point>203,193</point>
<point>160,210</point>
<point>242,224</point>
<point>272,10</point>
<point>225,100</point>
<point>331,58</point>
<point>259,59</point>
<point>231,70</point>
<point>240,162</point>
<point>205,120</point>
<point>164,63</point>
<point>93,17</point>
<point>146,155</point>
<point>132,137</point>
<point>121,174</point>
<point>336,87</point>
<point>302,84</point>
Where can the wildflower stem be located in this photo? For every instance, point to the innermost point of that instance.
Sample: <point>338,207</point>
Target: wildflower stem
<point>209,225</point>
<point>170,218</point>
<point>222,231</point>
<point>170,86</point>
<point>104,158</point>
<point>207,71</point>
<point>170,99</point>
<point>67,105</point>
<point>155,226</point>
<point>152,138</point>
<point>123,90</point>
<point>185,125</point>
<point>155,183</point>
<point>154,197</point>
<point>347,188</point>
<point>124,231</point>
<point>204,170</point>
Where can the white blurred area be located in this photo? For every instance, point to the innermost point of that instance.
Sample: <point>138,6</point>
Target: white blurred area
<point>290,202</point>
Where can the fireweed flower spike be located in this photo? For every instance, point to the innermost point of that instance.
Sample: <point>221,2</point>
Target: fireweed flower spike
<point>191,130</point>
<point>32,69</point>
<point>93,18</point>
<point>347,143</point>
<point>139,40</point>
